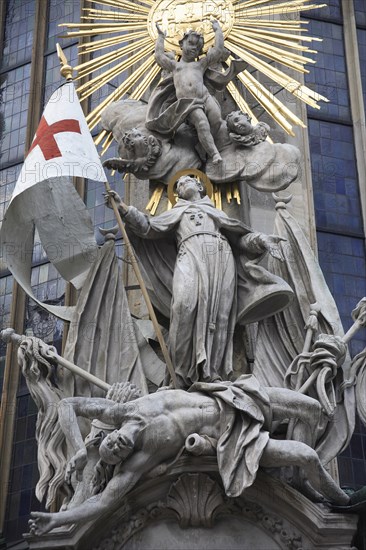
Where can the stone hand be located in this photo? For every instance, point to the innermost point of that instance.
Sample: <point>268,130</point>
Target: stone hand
<point>215,25</point>
<point>117,163</point>
<point>41,523</point>
<point>160,30</point>
<point>117,199</point>
<point>271,243</point>
<point>76,464</point>
<point>121,392</point>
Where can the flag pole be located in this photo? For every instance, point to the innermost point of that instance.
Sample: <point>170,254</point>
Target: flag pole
<point>66,71</point>
<point>141,282</point>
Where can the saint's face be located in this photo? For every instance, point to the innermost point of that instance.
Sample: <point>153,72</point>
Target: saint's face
<point>189,188</point>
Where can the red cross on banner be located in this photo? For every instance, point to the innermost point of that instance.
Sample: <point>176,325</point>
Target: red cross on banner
<point>45,136</point>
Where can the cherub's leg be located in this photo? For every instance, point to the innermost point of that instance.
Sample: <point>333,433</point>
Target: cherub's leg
<point>200,122</point>
<point>213,113</point>
<point>294,453</point>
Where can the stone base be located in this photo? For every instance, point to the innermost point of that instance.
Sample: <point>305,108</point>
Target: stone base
<point>188,510</point>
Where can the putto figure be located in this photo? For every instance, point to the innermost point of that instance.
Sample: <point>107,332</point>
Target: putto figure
<point>193,100</point>
<point>205,279</point>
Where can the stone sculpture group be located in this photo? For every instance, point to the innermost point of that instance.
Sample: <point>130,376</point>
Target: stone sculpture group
<point>203,272</point>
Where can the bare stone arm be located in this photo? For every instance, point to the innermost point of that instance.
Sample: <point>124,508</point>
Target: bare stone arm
<point>162,59</point>
<point>41,523</point>
<point>215,54</point>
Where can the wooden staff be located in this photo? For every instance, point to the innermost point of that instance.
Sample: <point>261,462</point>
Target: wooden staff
<point>141,282</point>
<point>66,71</point>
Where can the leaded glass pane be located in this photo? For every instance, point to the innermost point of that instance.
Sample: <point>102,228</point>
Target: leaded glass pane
<point>335,183</point>
<point>329,75</point>
<point>18,38</point>
<point>61,11</point>
<point>14,98</point>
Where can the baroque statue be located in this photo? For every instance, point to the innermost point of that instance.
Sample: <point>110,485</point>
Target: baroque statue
<point>252,374</point>
<point>183,121</point>
<point>205,274</point>
<point>152,431</point>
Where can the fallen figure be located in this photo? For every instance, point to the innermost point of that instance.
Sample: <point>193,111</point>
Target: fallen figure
<point>153,430</point>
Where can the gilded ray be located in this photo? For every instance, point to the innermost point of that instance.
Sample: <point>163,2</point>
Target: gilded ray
<point>96,31</point>
<point>278,9</point>
<point>94,64</point>
<point>119,17</point>
<point>295,25</point>
<point>257,35</point>
<point>267,101</point>
<point>97,82</point>
<point>107,143</point>
<point>240,101</point>
<point>107,42</point>
<point>121,4</point>
<point>277,38</point>
<point>114,15</point>
<point>294,87</point>
<point>251,3</point>
<point>101,136</point>
<point>286,58</point>
<point>146,82</point>
<point>94,117</point>
<point>252,83</point>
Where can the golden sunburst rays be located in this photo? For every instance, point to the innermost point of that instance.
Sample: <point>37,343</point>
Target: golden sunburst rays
<point>120,36</point>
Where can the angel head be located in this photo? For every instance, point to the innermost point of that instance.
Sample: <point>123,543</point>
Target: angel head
<point>239,123</point>
<point>191,44</point>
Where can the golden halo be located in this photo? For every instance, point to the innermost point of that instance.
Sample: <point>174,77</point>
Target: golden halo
<point>189,172</point>
<point>176,17</point>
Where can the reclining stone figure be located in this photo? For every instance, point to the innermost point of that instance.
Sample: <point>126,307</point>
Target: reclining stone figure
<point>152,430</point>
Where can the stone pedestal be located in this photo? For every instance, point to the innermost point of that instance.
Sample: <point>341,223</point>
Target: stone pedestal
<point>187,509</point>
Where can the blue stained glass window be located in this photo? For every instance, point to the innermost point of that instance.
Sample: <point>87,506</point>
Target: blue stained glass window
<point>61,11</point>
<point>334,172</point>
<point>352,462</point>
<point>14,97</point>
<point>24,471</point>
<point>8,178</point>
<point>361,39</point>
<point>18,39</point>
<point>343,262</point>
<point>6,287</point>
<point>331,12</point>
<point>329,76</point>
<point>360,12</point>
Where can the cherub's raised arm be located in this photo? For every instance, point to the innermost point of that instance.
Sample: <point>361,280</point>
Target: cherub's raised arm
<point>162,59</point>
<point>214,54</point>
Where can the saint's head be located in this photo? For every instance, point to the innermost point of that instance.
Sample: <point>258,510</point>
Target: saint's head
<point>190,188</point>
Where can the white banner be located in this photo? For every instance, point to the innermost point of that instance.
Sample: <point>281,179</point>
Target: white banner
<point>44,197</point>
